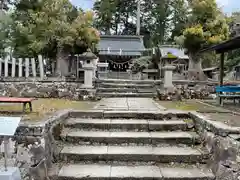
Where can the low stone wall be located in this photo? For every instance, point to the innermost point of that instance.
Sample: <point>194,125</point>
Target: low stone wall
<point>50,88</point>
<point>222,142</point>
<point>44,134</point>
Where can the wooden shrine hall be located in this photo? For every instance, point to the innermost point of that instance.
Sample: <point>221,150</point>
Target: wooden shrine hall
<point>119,50</point>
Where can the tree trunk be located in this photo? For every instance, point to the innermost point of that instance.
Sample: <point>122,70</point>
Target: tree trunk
<point>195,71</point>
<point>62,63</point>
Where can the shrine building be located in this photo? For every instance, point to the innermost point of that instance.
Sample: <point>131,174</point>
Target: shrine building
<point>119,50</point>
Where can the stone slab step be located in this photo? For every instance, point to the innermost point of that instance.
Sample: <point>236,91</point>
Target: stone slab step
<point>131,81</point>
<point>126,85</point>
<point>132,153</point>
<point>109,95</point>
<point>108,137</point>
<point>103,172</point>
<point>127,124</point>
<point>123,90</point>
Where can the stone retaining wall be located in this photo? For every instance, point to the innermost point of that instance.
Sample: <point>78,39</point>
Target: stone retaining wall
<point>222,142</point>
<point>45,89</point>
<point>45,134</point>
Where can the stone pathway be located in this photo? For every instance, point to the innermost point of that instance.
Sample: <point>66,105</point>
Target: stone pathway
<point>128,104</point>
<point>97,147</point>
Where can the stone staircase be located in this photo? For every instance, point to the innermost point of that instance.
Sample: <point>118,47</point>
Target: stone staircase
<point>120,146</point>
<point>125,88</point>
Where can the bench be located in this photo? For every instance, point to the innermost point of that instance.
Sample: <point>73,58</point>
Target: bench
<point>24,101</point>
<point>231,92</point>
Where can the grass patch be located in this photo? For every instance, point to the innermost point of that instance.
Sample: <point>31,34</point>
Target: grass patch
<point>43,108</point>
<point>189,105</point>
<point>184,105</point>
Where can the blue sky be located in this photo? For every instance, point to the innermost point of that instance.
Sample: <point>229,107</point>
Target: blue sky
<point>227,5</point>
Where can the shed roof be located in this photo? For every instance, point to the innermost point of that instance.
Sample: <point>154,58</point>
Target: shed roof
<point>121,45</point>
<point>231,44</point>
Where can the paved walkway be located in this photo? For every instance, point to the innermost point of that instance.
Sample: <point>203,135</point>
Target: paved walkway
<point>128,104</point>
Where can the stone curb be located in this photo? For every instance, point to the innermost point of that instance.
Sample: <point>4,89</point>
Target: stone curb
<point>216,127</point>
<point>40,128</point>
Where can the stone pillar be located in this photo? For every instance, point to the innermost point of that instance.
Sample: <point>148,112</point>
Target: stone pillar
<point>6,61</point>
<point>41,66</point>
<point>13,67</point>
<point>95,63</point>
<point>88,73</point>
<point>26,67</point>
<point>168,77</point>
<point>102,70</point>
<point>20,67</point>
<point>33,67</point>
<point>216,76</point>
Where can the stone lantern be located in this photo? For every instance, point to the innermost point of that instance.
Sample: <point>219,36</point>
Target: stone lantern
<point>89,66</point>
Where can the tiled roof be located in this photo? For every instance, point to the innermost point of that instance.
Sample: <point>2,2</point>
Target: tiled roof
<point>121,45</point>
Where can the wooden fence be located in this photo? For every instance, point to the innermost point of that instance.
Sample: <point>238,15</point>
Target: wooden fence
<point>22,67</point>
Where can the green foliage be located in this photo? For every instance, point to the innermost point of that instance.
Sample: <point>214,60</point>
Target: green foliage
<point>206,26</point>
<point>5,29</point>
<point>233,58</point>
<point>158,17</point>
<point>141,63</point>
<point>50,25</point>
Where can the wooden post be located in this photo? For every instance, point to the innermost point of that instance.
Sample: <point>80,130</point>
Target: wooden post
<point>138,18</point>
<point>26,67</point>
<point>6,61</point>
<point>33,67</point>
<point>221,75</point>
<point>13,67</point>
<point>1,61</point>
<point>221,69</point>
<point>20,67</point>
<point>41,66</point>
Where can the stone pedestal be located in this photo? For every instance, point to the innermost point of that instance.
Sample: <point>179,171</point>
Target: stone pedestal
<point>102,70</point>
<point>88,68</point>
<point>168,77</point>
<point>12,173</point>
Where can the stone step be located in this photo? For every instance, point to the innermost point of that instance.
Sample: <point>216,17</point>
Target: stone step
<point>126,85</point>
<point>126,124</point>
<point>123,90</point>
<point>128,81</point>
<point>108,137</point>
<point>112,94</point>
<point>108,171</point>
<point>132,153</point>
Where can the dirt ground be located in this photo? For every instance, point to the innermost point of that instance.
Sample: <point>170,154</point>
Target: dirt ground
<point>43,108</point>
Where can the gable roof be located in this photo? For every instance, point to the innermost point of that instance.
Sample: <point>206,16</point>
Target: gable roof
<point>172,52</point>
<point>121,45</point>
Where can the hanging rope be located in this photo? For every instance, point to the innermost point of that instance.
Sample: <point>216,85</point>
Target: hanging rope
<point>122,63</point>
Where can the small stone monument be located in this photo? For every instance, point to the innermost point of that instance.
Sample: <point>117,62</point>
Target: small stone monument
<point>168,77</point>
<point>89,68</point>
<point>102,70</point>
<point>8,126</point>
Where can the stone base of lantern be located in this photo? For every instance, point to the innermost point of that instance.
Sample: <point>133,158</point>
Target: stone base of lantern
<point>168,78</point>
<point>12,173</point>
